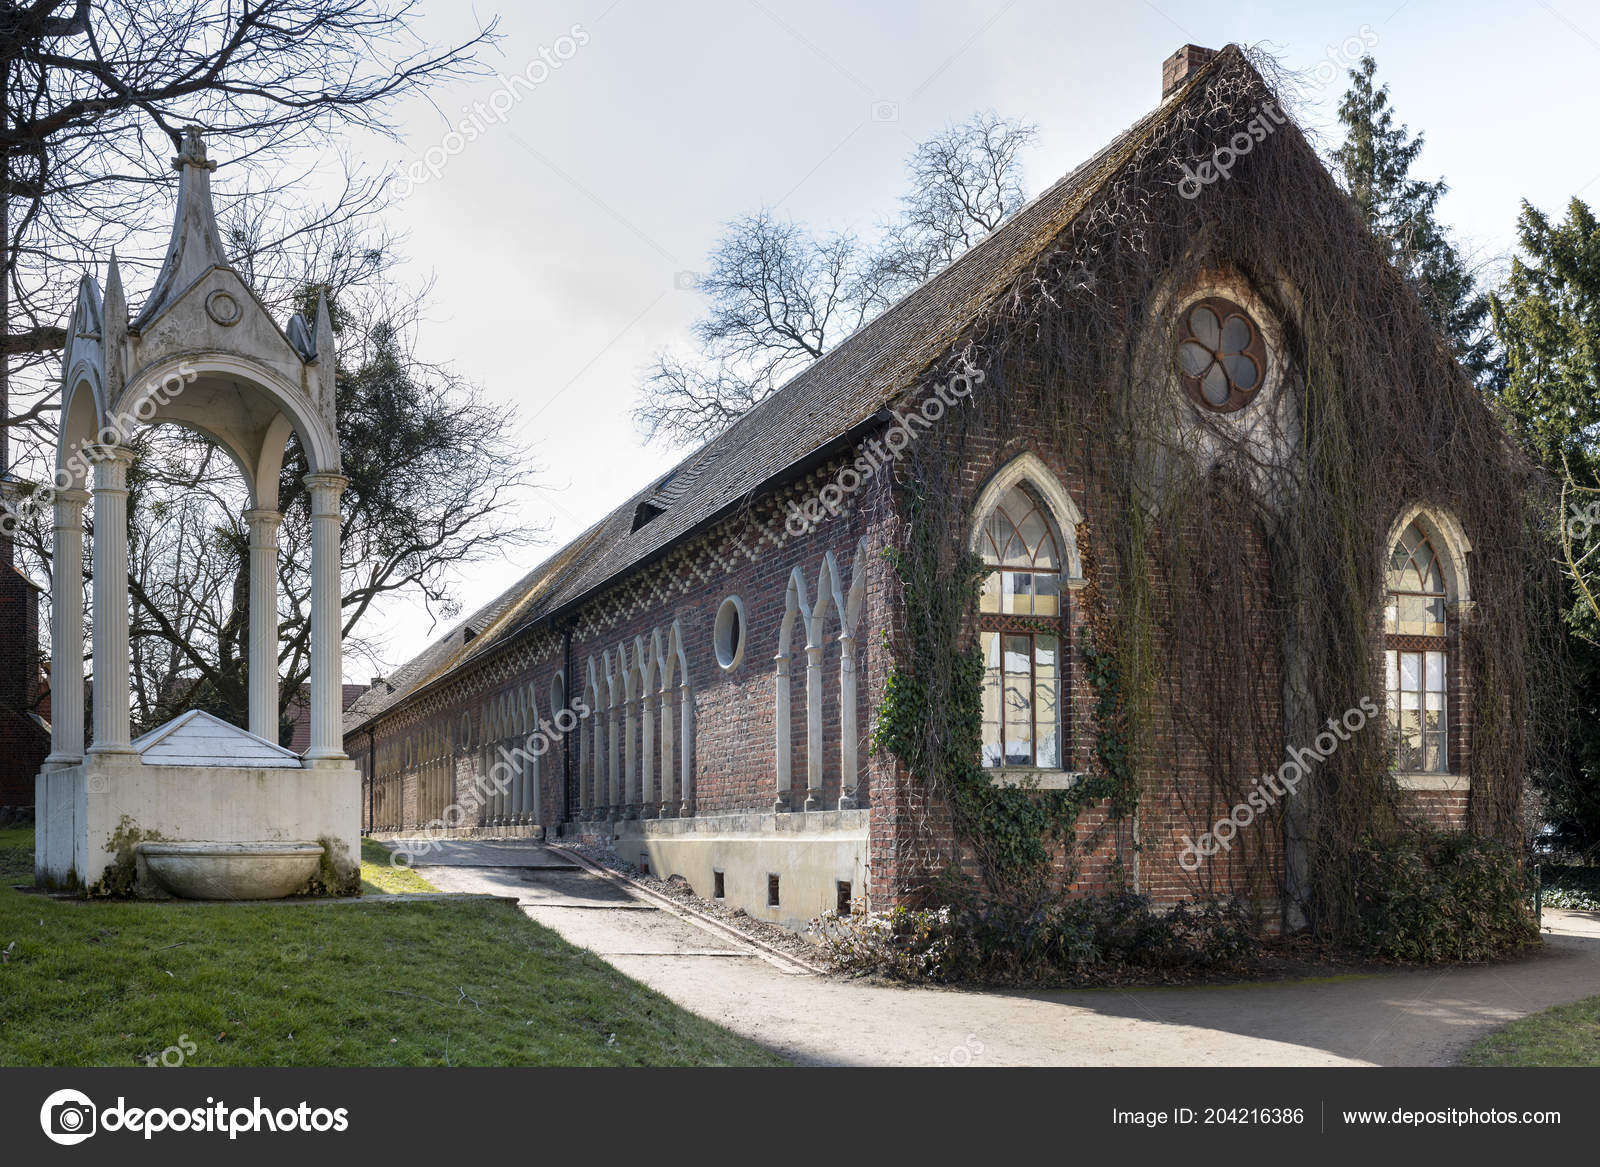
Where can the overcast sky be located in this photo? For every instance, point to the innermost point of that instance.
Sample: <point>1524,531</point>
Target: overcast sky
<point>555,238</point>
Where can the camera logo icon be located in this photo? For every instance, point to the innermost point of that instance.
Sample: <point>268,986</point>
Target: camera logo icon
<point>686,281</point>
<point>68,1117</point>
<point>885,111</point>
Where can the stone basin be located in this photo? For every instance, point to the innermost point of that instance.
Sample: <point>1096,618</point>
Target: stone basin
<point>232,871</point>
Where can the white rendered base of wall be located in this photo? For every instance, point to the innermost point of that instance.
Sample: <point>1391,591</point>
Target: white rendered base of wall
<point>89,813</point>
<point>810,852</point>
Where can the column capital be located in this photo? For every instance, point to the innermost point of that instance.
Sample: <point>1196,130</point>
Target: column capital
<point>110,468</point>
<point>98,452</point>
<point>70,500</point>
<point>264,526</point>
<point>326,480</point>
<point>325,491</point>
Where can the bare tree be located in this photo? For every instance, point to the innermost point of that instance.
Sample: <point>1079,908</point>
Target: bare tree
<point>965,182</point>
<point>94,96</point>
<point>779,296</point>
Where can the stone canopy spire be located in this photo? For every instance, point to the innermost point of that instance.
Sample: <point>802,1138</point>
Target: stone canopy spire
<point>196,246</point>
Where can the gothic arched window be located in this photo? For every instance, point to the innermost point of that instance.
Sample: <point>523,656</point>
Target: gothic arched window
<point>1020,630</point>
<point>1416,654</point>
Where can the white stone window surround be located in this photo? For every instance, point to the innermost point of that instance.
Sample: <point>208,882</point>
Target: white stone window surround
<point>730,622</point>
<point>1040,779</point>
<point>1451,545</point>
<point>1029,469</point>
<point>1449,782</point>
<point>1223,286</point>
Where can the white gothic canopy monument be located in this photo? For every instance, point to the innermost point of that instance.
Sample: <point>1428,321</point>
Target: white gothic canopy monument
<point>195,808</point>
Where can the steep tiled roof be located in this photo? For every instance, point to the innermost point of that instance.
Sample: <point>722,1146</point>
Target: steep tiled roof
<point>841,390</point>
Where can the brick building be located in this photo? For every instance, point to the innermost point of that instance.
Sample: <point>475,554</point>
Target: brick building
<point>695,679</point>
<point>24,698</point>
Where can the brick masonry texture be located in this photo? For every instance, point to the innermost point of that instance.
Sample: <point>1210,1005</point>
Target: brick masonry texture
<point>23,741</point>
<point>431,750</point>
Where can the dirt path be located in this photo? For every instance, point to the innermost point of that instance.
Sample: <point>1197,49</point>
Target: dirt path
<point>1409,1018</point>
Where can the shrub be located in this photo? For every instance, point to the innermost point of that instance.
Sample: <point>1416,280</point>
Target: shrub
<point>1435,895</point>
<point>1059,939</point>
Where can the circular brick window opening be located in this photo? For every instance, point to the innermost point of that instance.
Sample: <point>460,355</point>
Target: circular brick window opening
<point>1221,354</point>
<point>729,634</point>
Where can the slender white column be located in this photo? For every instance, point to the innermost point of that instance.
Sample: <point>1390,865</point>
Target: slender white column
<point>613,766</point>
<point>664,699</point>
<point>66,631</point>
<point>813,726</point>
<point>530,789</point>
<point>597,762</point>
<point>630,718</point>
<point>685,751</point>
<point>327,671</point>
<point>585,732</point>
<point>264,622</point>
<point>848,775</point>
<point>785,755</point>
<point>111,672</point>
<point>647,751</point>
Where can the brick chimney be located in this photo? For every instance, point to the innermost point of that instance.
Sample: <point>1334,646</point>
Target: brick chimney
<point>1179,67</point>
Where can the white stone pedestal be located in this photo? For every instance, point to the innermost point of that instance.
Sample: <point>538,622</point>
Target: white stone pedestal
<point>195,780</point>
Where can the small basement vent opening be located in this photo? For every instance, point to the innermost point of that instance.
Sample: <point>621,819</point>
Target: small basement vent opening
<point>719,889</point>
<point>772,891</point>
<point>843,904</point>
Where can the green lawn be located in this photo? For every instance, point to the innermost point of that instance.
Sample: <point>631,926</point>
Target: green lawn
<point>378,875</point>
<point>379,984</point>
<point>1568,1035</point>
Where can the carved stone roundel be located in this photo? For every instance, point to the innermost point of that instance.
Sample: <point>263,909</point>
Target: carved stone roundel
<point>223,308</point>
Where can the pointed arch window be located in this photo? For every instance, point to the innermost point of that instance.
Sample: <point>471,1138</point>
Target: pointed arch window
<point>1020,630</point>
<point>1417,654</point>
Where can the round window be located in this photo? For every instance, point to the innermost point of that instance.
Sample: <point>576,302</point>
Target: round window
<point>729,633</point>
<point>1221,354</point>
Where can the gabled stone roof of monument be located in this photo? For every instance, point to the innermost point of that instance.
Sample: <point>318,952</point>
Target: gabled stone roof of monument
<point>828,399</point>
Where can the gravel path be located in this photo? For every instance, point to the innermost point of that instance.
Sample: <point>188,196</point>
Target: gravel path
<point>1425,1017</point>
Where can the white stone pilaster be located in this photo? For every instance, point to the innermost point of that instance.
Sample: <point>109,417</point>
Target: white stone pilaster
<point>66,631</point>
<point>264,622</point>
<point>813,726</point>
<point>647,788</point>
<point>848,745</point>
<point>664,699</point>
<point>685,751</point>
<point>784,748</point>
<point>111,666</point>
<point>327,635</point>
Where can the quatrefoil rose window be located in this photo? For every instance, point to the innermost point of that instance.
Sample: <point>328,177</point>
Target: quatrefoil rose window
<point>1221,354</point>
